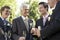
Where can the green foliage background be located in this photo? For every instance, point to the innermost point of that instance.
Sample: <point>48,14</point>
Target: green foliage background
<point>34,10</point>
<point>34,14</point>
<point>12,3</point>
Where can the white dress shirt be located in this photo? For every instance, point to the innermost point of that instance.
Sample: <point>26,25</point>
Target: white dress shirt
<point>2,18</point>
<point>45,18</point>
<point>25,19</point>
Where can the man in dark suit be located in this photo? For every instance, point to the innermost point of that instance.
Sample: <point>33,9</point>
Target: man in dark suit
<point>43,21</point>
<point>52,30</point>
<point>4,24</point>
<point>21,26</point>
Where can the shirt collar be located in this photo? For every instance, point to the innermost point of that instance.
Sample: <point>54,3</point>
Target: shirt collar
<point>24,17</point>
<point>46,15</point>
<point>2,18</point>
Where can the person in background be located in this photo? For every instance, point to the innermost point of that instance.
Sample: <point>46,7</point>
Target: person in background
<point>5,26</point>
<point>21,26</point>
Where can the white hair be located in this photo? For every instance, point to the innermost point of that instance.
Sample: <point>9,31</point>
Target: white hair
<point>24,5</point>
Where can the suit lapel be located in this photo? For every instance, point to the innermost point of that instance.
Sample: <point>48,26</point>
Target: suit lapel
<point>30,23</point>
<point>22,22</point>
<point>1,22</point>
<point>41,22</point>
<point>47,20</point>
<point>24,26</point>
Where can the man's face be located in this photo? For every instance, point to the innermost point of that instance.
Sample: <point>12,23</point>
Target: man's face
<point>51,3</point>
<point>25,11</point>
<point>42,9</point>
<point>6,12</point>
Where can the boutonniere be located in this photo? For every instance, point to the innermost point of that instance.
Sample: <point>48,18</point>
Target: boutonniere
<point>8,24</point>
<point>31,24</point>
<point>39,27</point>
<point>49,18</point>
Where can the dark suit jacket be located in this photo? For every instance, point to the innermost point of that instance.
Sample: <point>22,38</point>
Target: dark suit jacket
<point>52,31</point>
<point>39,22</point>
<point>3,28</point>
<point>18,27</point>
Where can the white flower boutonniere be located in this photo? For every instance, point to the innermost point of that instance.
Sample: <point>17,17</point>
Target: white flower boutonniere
<point>31,24</point>
<point>39,27</point>
<point>49,18</point>
<point>8,24</point>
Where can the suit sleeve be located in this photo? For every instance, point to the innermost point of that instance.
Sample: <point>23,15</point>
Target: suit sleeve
<point>51,29</point>
<point>14,30</point>
<point>37,24</point>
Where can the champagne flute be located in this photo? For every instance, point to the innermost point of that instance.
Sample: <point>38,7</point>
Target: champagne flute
<point>24,33</point>
<point>39,27</point>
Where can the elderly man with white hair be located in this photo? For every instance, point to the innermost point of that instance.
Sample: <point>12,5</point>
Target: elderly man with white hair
<point>21,26</point>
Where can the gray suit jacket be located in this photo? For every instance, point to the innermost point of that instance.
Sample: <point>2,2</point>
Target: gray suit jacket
<point>18,27</point>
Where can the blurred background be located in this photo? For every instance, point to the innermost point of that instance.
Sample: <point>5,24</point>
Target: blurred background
<point>15,8</point>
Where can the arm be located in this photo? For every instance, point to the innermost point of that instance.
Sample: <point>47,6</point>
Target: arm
<point>14,31</point>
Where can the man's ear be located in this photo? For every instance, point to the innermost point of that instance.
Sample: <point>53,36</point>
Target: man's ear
<point>47,9</point>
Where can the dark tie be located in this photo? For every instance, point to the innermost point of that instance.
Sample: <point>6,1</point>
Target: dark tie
<point>4,22</point>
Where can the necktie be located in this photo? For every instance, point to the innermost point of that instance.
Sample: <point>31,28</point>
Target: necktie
<point>4,22</point>
<point>26,23</point>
